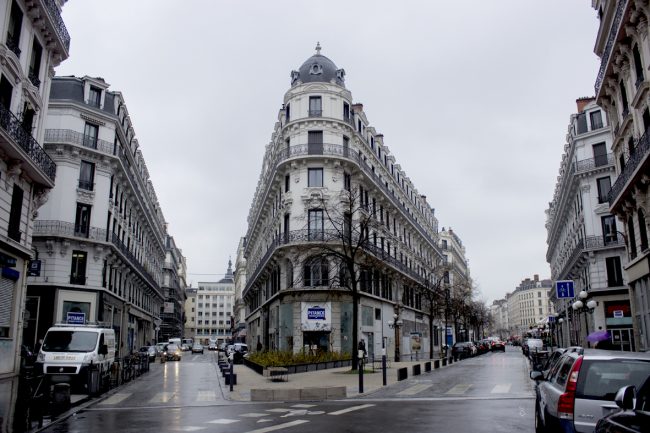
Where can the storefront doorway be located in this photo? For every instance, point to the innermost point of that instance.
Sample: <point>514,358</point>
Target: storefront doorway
<point>622,339</point>
<point>316,341</point>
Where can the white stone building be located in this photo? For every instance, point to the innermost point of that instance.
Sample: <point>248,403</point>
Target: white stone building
<point>324,155</point>
<point>457,279</point>
<point>172,316</point>
<point>239,308</point>
<point>190,312</point>
<point>528,305</point>
<point>214,309</point>
<point>33,40</point>
<point>585,243</point>
<point>623,90</point>
<point>101,235</point>
<point>500,320</point>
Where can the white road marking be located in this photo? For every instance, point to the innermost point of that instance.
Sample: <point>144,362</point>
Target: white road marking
<point>280,410</point>
<point>223,421</point>
<point>414,389</point>
<point>206,396</point>
<point>259,421</point>
<point>279,426</point>
<point>162,397</point>
<point>189,428</point>
<point>305,406</point>
<point>116,398</point>
<point>501,389</point>
<point>459,389</point>
<point>351,409</point>
<point>253,415</point>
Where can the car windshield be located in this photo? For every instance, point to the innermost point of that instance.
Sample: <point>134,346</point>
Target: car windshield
<point>70,341</point>
<point>172,347</point>
<point>603,378</point>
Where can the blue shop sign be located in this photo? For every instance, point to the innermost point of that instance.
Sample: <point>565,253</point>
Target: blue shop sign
<point>316,313</point>
<point>76,318</point>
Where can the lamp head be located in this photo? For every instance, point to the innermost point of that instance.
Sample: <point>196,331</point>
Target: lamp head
<point>591,304</point>
<point>583,294</point>
<point>560,320</point>
<point>577,305</point>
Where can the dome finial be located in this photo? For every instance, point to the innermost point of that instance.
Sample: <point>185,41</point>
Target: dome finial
<point>318,48</point>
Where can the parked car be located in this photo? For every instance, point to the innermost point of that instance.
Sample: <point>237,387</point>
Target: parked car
<point>212,346</point>
<point>581,385</point>
<point>497,345</point>
<point>197,348</point>
<point>462,350</point>
<point>149,350</point>
<point>172,352</point>
<point>634,414</point>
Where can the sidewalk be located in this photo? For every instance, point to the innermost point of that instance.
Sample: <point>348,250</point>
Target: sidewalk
<point>247,379</point>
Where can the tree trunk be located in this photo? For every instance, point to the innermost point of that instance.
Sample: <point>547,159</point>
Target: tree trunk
<point>355,327</point>
<point>430,336</point>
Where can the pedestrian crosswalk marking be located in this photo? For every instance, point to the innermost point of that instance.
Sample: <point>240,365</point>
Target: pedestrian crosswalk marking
<point>303,406</point>
<point>351,409</point>
<point>501,389</point>
<point>253,415</point>
<point>261,420</point>
<point>206,396</point>
<point>189,428</point>
<point>279,426</point>
<point>162,397</point>
<point>223,421</point>
<point>414,389</point>
<point>281,410</point>
<point>459,389</point>
<point>116,398</point>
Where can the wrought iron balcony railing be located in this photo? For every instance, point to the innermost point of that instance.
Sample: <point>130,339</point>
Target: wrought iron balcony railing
<point>591,163</point>
<point>86,184</point>
<point>59,26</point>
<point>315,113</point>
<point>599,242</point>
<point>74,137</point>
<point>117,242</point>
<point>67,229</point>
<point>639,153</point>
<point>611,39</point>
<point>14,127</point>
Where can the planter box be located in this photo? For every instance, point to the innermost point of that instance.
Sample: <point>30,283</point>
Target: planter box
<point>301,368</point>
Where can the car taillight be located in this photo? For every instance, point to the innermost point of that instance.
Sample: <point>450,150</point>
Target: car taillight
<point>566,402</point>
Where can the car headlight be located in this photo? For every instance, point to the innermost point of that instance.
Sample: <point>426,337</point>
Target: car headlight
<point>40,357</point>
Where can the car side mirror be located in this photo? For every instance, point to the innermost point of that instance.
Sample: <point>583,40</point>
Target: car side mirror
<point>626,397</point>
<point>536,375</point>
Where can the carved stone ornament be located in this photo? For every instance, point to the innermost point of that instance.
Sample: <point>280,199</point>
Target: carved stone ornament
<point>49,247</point>
<point>294,76</point>
<point>340,74</point>
<point>64,248</point>
<point>38,200</point>
<point>316,69</point>
<point>98,252</point>
<point>85,196</point>
<point>13,172</point>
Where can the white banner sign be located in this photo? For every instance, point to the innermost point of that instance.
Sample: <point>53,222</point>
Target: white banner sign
<point>316,316</point>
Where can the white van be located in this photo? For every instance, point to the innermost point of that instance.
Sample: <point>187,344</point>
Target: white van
<point>68,350</point>
<point>176,341</point>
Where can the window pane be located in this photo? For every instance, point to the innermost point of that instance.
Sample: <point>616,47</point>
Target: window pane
<point>315,177</point>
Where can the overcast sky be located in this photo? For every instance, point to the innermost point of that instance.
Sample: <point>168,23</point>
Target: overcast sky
<point>473,98</point>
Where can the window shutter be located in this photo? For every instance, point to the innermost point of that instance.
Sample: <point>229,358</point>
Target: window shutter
<point>6,301</point>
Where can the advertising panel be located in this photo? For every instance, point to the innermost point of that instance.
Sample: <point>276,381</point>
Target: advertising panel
<point>316,316</point>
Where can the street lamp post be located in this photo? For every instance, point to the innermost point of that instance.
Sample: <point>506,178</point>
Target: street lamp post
<point>396,324</point>
<point>584,306</point>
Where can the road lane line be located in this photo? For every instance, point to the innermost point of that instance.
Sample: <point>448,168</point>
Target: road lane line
<point>223,421</point>
<point>281,410</point>
<point>279,426</point>
<point>501,389</point>
<point>459,389</point>
<point>116,398</point>
<point>303,406</point>
<point>414,389</point>
<point>162,397</point>
<point>253,415</point>
<point>351,409</point>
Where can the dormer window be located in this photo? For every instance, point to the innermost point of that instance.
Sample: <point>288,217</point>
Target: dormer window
<point>94,96</point>
<point>596,119</point>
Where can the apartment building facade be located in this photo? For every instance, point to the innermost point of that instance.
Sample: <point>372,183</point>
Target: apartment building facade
<point>101,235</point>
<point>214,306</point>
<point>623,90</point>
<point>528,305</point>
<point>172,316</point>
<point>328,175</point>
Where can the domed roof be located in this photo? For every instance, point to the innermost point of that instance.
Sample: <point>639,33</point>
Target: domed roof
<point>318,68</point>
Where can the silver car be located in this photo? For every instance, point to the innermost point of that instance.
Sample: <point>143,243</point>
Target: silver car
<point>581,386</point>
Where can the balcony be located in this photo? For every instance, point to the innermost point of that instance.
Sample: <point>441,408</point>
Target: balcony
<point>315,113</point>
<point>88,185</point>
<point>57,21</point>
<point>638,157</point>
<point>592,163</point>
<point>73,137</point>
<point>67,229</point>
<point>119,245</point>
<point>79,280</point>
<point>611,39</point>
<point>12,131</point>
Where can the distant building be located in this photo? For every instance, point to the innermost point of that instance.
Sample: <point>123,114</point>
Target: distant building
<point>172,316</point>
<point>457,279</point>
<point>214,309</point>
<point>34,41</point>
<point>101,235</point>
<point>500,321</point>
<point>623,90</point>
<point>528,305</point>
<point>585,243</point>
<point>239,313</point>
<point>190,313</point>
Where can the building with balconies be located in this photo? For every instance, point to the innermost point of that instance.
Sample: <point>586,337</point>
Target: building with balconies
<point>239,309</point>
<point>172,316</point>
<point>33,40</point>
<point>623,90</point>
<point>529,305</point>
<point>329,180</point>
<point>190,312</point>
<point>457,282</point>
<point>500,321</point>
<point>101,235</point>
<point>584,240</point>
<point>214,309</point>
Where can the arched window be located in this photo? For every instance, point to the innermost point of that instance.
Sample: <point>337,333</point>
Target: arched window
<point>316,272</point>
<point>631,237</point>
<point>643,231</point>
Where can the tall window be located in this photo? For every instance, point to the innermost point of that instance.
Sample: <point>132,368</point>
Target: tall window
<point>315,142</point>
<point>82,220</point>
<point>315,177</point>
<point>600,154</point>
<point>638,65</point>
<point>13,230</point>
<point>614,274</point>
<point>287,110</point>
<point>347,181</point>
<point>643,231</point>
<point>316,224</point>
<point>14,28</point>
<point>35,63</point>
<point>94,96</point>
<point>604,185</point>
<point>624,103</point>
<point>90,135</point>
<point>347,226</point>
<point>316,272</point>
<point>315,106</point>
<point>78,270</point>
<point>596,120</point>
<point>346,111</point>
<point>287,219</point>
<point>86,175</point>
<point>287,182</point>
<point>6,92</point>
<point>631,241</point>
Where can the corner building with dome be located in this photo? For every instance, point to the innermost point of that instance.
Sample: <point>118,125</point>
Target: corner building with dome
<point>323,155</point>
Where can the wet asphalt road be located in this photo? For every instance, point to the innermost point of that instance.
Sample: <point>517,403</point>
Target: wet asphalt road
<point>490,393</point>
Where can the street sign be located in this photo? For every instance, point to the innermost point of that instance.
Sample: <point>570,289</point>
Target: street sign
<point>551,319</point>
<point>618,314</point>
<point>76,318</point>
<point>564,289</point>
<point>34,268</point>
